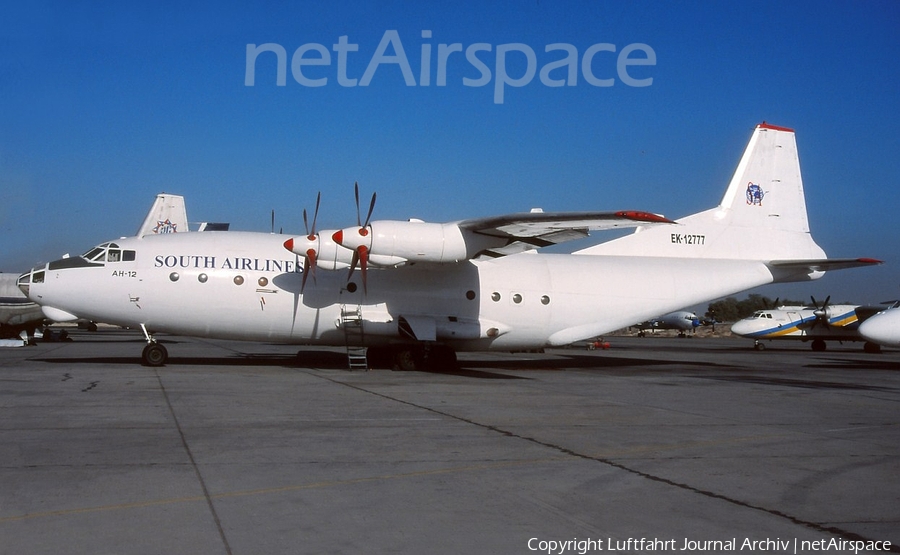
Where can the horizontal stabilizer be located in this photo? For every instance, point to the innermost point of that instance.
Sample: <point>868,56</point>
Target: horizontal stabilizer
<point>823,264</point>
<point>214,226</point>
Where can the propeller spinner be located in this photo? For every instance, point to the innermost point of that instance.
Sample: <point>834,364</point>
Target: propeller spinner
<point>821,313</point>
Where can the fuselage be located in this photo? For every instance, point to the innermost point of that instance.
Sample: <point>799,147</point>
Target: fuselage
<point>248,286</point>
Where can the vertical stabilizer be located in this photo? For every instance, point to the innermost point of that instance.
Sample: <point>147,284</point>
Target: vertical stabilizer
<point>766,189</point>
<point>167,215</point>
<point>762,215</point>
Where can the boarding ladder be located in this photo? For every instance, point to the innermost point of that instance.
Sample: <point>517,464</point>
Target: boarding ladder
<point>354,337</point>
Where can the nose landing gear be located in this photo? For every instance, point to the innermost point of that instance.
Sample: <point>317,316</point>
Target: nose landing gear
<point>154,353</point>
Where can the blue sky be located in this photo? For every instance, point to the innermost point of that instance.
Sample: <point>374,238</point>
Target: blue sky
<point>106,105</point>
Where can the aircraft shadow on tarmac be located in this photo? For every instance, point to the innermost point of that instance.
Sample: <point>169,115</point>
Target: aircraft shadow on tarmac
<point>237,360</point>
<point>855,364</point>
<point>801,383</point>
<point>332,360</point>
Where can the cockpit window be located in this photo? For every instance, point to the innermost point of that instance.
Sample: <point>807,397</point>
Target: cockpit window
<point>108,252</point>
<point>97,254</point>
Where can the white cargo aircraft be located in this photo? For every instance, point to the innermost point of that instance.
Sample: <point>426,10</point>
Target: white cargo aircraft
<point>418,292</point>
<point>884,327</point>
<point>815,323</point>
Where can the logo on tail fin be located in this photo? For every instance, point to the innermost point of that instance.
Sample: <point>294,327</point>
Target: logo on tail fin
<point>755,194</point>
<point>165,227</point>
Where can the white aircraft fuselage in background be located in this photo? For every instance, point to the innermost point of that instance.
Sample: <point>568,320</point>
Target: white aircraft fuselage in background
<point>17,312</point>
<point>680,320</point>
<point>838,322</point>
<point>249,286</point>
<point>883,328</point>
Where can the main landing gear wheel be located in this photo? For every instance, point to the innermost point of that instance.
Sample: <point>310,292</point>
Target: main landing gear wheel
<point>154,355</point>
<point>870,347</point>
<point>408,360</point>
<point>425,358</point>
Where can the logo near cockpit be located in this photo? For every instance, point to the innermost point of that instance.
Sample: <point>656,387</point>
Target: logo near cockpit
<point>165,227</point>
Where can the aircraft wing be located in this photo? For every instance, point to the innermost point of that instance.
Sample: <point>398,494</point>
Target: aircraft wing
<point>531,230</point>
<point>824,264</point>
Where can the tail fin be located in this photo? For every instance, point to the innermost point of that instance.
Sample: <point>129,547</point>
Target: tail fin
<point>761,217</point>
<point>167,215</point>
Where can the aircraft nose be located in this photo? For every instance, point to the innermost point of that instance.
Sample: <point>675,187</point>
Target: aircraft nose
<point>878,333</point>
<point>742,328</point>
<point>35,275</point>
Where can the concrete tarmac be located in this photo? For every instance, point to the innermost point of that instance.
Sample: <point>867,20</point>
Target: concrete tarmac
<point>245,448</point>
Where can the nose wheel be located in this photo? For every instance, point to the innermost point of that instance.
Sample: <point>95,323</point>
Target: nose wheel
<point>154,354</point>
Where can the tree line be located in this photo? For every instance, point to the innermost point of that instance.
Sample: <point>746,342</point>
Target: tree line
<point>732,310</point>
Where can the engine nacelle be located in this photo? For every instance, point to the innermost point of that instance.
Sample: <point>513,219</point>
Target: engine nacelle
<point>327,254</point>
<point>391,242</point>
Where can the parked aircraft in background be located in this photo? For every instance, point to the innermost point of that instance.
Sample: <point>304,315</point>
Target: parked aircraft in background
<point>17,312</point>
<point>417,292</point>
<point>883,328</point>
<point>168,214</point>
<point>681,320</point>
<point>814,323</point>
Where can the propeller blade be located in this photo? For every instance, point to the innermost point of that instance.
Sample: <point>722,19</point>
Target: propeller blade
<point>306,267</point>
<point>309,267</point>
<point>363,264</point>
<point>353,262</point>
<point>316,213</point>
<point>356,194</point>
<point>371,208</point>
